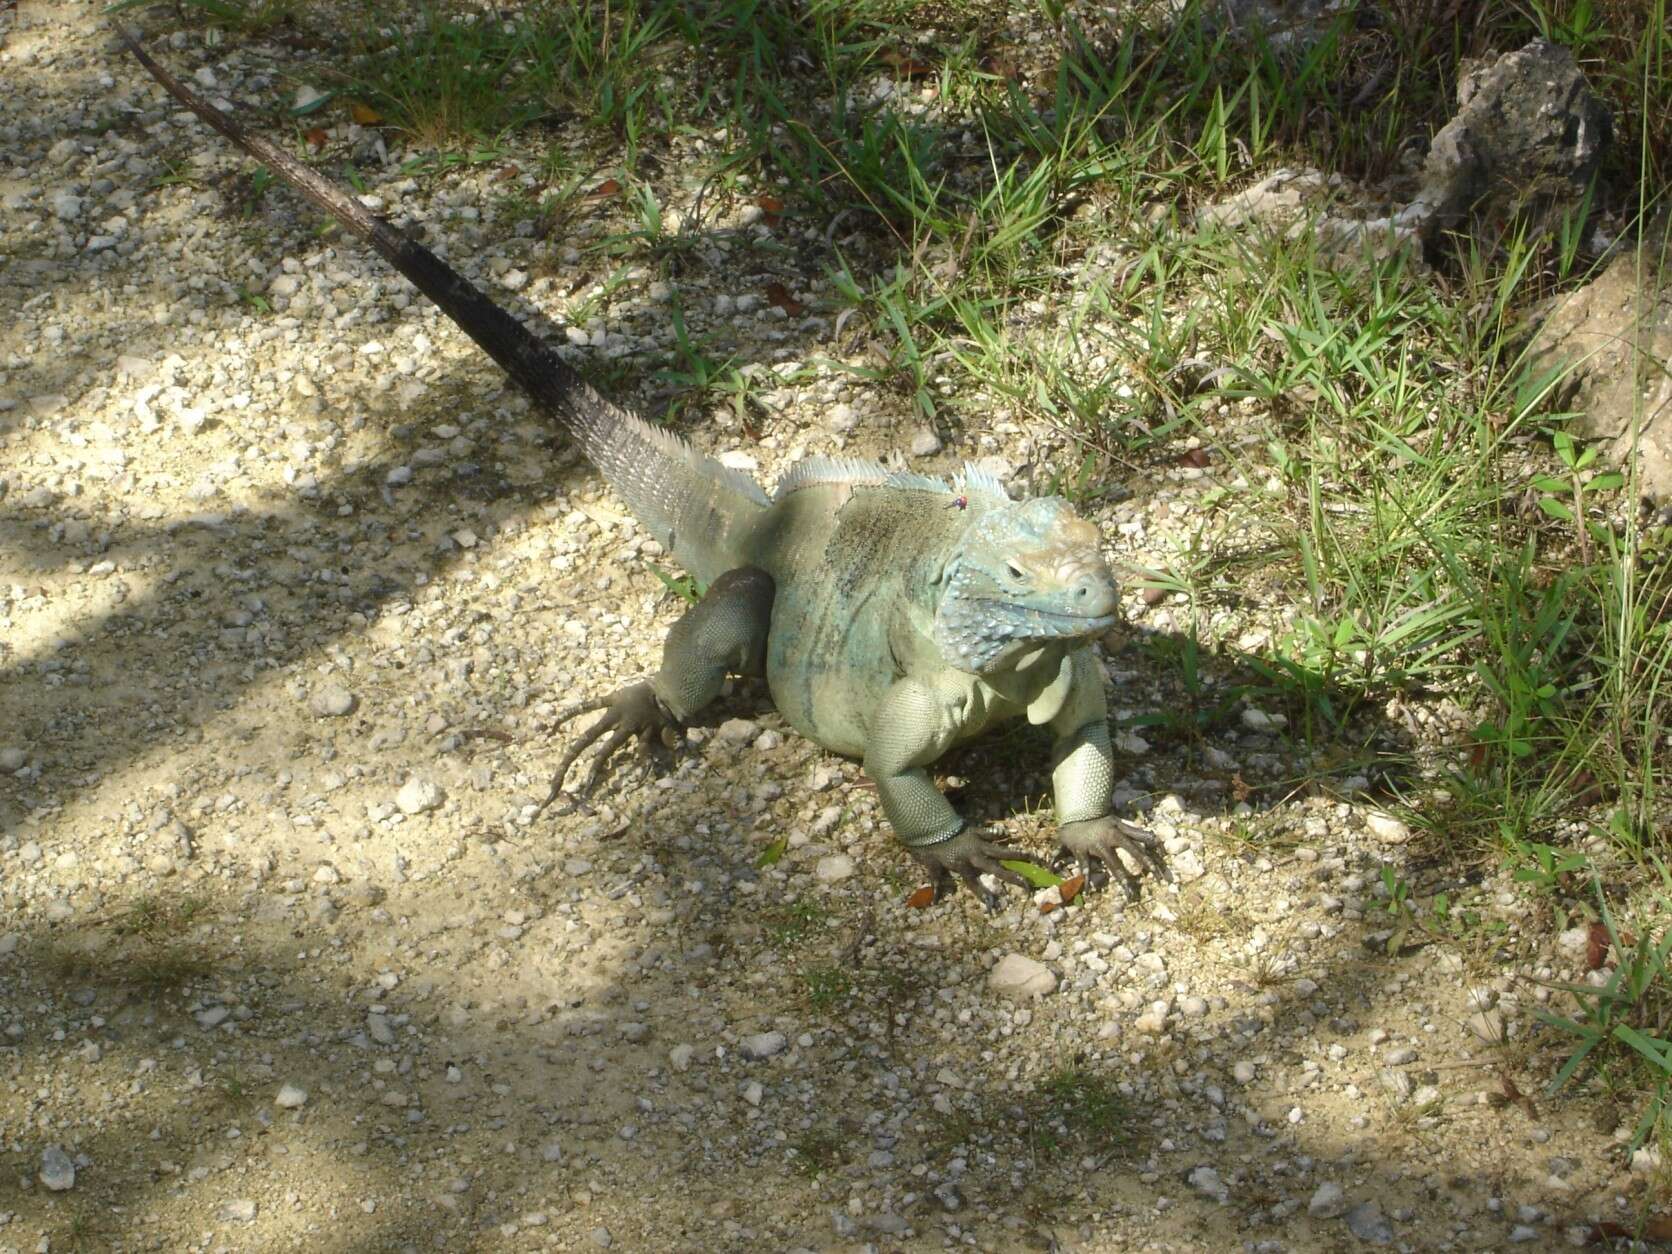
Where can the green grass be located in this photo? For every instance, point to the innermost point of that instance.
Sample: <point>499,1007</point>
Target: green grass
<point>1384,488</point>
<point>1078,1111</point>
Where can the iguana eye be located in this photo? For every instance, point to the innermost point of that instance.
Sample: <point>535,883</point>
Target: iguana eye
<point>1015,571</point>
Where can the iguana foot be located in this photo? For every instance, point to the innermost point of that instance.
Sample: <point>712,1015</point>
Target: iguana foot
<point>969,857</point>
<point>1099,841</point>
<point>633,711</point>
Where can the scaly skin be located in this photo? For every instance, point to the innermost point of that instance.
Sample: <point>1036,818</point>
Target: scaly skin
<point>894,616</point>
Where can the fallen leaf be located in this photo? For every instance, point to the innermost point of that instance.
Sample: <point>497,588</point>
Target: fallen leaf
<point>604,190</point>
<point>773,852</point>
<point>1153,595</point>
<point>906,65</point>
<point>1596,947</point>
<point>316,136</point>
<point>779,295</point>
<point>1197,457</point>
<point>922,899</point>
<point>364,114</point>
<point>772,207</point>
<point>509,172</point>
<point>1045,907</point>
<point>1032,872</point>
<point>1070,888</point>
<point>1240,790</point>
<point>1654,1228</point>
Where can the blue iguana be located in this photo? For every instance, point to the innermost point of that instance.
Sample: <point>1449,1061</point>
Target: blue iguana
<point>892,615</point>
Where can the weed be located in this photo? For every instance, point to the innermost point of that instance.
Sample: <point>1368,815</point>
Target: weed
<point>827,987</point>
<point>1076,1110</point>
<point>1627,1021</point>
<point>817,1151</point>
<point>791,923</point>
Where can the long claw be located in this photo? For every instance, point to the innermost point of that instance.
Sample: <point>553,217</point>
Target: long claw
<point>617,738</point>
<point>633,711</point>
<point>968,857</point>
<point>1098,844</point>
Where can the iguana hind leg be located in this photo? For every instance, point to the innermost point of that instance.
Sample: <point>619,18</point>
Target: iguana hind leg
<point>724,633</point>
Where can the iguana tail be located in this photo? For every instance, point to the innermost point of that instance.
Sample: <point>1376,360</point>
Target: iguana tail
<point>697,508</point>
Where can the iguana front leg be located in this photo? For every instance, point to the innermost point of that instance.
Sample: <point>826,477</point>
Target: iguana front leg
<point>1083,779</point>
<point>915,724</point>
<point>724,633</point>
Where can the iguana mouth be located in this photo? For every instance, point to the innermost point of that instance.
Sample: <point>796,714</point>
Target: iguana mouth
<point>1014,622</point>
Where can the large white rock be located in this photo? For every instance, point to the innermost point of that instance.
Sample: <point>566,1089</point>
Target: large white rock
<point>1021,978</point>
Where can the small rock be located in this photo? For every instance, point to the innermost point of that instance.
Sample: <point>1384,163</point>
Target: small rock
<point>737,731</point>
<point>418,795</point>
<point>679,1057</point>
<point>239,1210</point>
<point>1154,1020</point>
<point>924,442</point>
<point>551,1152</point>
<point>378,1027</point>
<point>1488,1025</point>
<point>1021,978</point>
<point>1243,1072</point>
<point>291,1096</point>
<point>1387,829</point>
<point>1397,1083</point>
<point>1186,866</point>
<point>602,1239</point>
<point>833,868</point>
<point>57,1170</point>
<point>331,701</point>
<point>763,1044</point>
<point>212,1017</point>
<point>13,760</point>
<point>1366,1222</point>
<point>1329,1201</point>
<point>1206,1181</point>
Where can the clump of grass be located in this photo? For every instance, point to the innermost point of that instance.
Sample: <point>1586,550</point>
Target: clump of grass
<point>1076,1110</point>
<point>1626,1024</point>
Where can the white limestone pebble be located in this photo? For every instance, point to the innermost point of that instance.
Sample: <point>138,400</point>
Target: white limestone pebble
<point>291,1096</point>
<point>331,701</point>
<point>57,1169</point>
<point>419,795</point>
<point>1021,978</point>
<point>764,1044</point>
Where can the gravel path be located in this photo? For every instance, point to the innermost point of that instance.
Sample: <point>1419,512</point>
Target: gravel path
<point>290,588</point>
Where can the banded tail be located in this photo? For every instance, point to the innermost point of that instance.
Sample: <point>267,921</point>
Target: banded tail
<point>697,508</point>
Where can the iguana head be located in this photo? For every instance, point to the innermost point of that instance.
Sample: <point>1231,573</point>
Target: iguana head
<point>1026,573</point>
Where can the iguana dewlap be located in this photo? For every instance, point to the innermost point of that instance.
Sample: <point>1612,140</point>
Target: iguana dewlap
<point>893,616</point>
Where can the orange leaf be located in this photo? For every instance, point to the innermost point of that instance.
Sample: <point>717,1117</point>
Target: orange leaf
<point>1070,888</point>
<point>906,65</point>
<point>604,190</point>
<point>364,114</point>
<point>779,295</point>
<point>1596,947</point>
<point>922,899</point>
<point>1047,906</point>
<point>1197,457</point>
<point>316,136</point>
